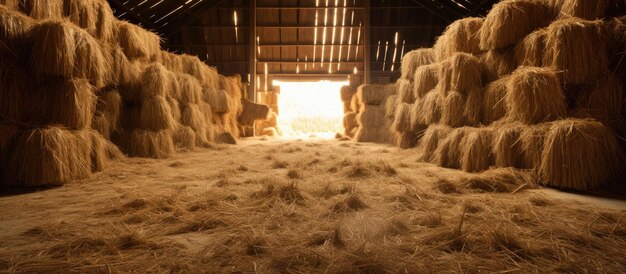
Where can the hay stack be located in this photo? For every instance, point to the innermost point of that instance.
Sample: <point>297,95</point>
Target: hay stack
<point>425,79</point>
<point>530,51</point>
<point>175,107</point>
<point>106,28</point>
<point>473,107</point>
<point>462,72</point>
<point>16,89</point>
<point>415,59</point>
<point>406,140</point>
<point>452,109</point>
<point>416,117</point>
<point>476,150</point>
<point>535,95</point>
<point>190,90</point>
<point>43,9</point>
<point>429,141</point>
<point>510,21</point>
<point>347,92</point>
<point>185,137</point>
<point>218,99</point>
<point>349,123</point>
<point>136,42</point>
<point>82,13</point>
<point>371,116</point>
<point>172,61</point>
<point>156,114</point>
<point>498,63</point>
<point>507,147</point>
<point>602,100</point>
<point>405,91</point>
<point>372,134</point>
<point>155,81</point>
<point>431,108</point>
<point>151,144</point>
<point>390,106</point>
<point>253,112</point>
<point>494,100</point>
<point>402,119</point>
<point>374,94</point>
<point>192,116</point>
<point>576,47</point>
<point>585,9</point>
<point>460,36</point>
<point>448,152</point>
<point>14,29</point>
<point>48,156</point>
<point>581,155</point>
<point>12,5</point>
<point>532,140</point>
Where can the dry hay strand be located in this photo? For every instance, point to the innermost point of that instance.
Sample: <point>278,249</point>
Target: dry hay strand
<point>431,108</point>
<point>405,91</point>
<point>415,59</point>
<point>102,151</point>
<point>461,72</point>
<point>136,42</point>
<point>350,121</point>
<point>192,117</point>
<point>425,79</point>
<point>373,134</point>
<point>155,81</point>
<point>390,106</point>
<point>90,62</point>
<point>402,119</point>
<point>106,28</point>
<point>535,95</point>
<point>452,110</point>
<point>156,114</point>
<point>429,141</point>
<point>110,105</point>
<point>576,47</point>
<point>404,140</point>
<point>460,36</point>
<point>193,66</point>
<point>14,29</point>
<point>16,89</point>
<point>48,156</point>
<point>175,107</point>
<point>581,155</point>
<point>190,89</point>
<point>151,144</point>
<point>12,5</point>
<point>371,116</point>
<point>493,100</point>
<point>508,22</point>
<point>82,13</point>
<point>416,117</point>
<point>373,94</point>
<point>507,146</point>
<point>70,103</point>
<point>172,61</point>
<point>530,51</point>
<point>501,180</point>
<point>532,139</point>
<point>499,63</point>
<point>585,9</point>
<point>123,71</point>
<point>602,100</point>
<point>448,152</point>
<point>42,9</point>
<point>472,110</point>
<point>185,137</point>
<point>253,112</point>
<point>476,149</point>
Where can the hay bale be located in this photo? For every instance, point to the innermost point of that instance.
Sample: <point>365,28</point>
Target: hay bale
<point>476,150</point>
<point>372,134</point>
<point>185,137</point>
<point>253,112</point>
<point>461,72</point>
<point>355,105</point>
<point>373,94</point>
<point>452,110</point>
<point>390,106</point>
<point>90,62</point>
<point>70,103</point>
<point>193,66</point>
<point>431,108</point>
<point>577,48</point>
<point>507,147</point>
<point>110,106</point>
<point>269,131</point>
<point>102,125</point>
<point>226,138</point>
<point>416,117</point>
<point>106,28</point>
<point>585,9</point>
<point>405,91</point>
<point>510,21</point>
<point>472,111</point>
<point>535,95</point>
<point>12,5</point>
<point>192,117</point>
<point>48,156</point>
<point>498,63</point>
<point>371,116</point>
<point>156,114</point>
<point>448,152</point>
<point>415,59</point>
<point>175,107</point>
<point>346,93</point>
<point>190,89</point>
<point>42,9</point>
<point>532,140</point>
<point>429,141</point>
<point>602,100</point>
<point>151,144</point>
<point>406,140</point>
<point>460,36</point>
<point>218,99</point>
<point>130,116</point>
<point>493,103</point>
<point>16,89</point>
<point>531,50</point>
<point>581,155</point>
<point>136,42</point>
<point>155,81</point>
<point>14,29</point>
<point>425,79</point>
<point>82,13</point>
<point>350,121</point>
<point>123,72</point>
<point>102,151</point>
<point>172,61</point>
<point>402,119</point>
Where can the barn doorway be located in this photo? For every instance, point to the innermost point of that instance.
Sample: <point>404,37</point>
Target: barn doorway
<point>310,108</point>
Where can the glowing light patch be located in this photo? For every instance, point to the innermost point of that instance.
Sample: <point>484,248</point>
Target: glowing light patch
<point>310,108</point>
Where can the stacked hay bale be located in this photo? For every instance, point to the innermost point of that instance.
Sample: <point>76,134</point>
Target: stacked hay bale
<point>350,125</point>
<point>507,98</point>
<point>372,123</point>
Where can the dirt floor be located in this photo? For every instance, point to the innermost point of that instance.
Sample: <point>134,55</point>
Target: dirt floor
<point>305,206</point>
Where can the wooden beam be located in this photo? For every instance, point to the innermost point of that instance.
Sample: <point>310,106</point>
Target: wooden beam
<point>252,56</point>
<point>433,10</point>
<point>188,17</point>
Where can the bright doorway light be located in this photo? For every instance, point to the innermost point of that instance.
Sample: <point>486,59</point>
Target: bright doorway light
<point>310,108</point>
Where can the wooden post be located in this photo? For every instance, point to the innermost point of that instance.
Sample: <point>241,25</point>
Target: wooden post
<point>366,43</point>
<point>252,55</point>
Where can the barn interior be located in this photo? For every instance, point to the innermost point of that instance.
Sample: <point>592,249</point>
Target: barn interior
<point>312,136</point>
